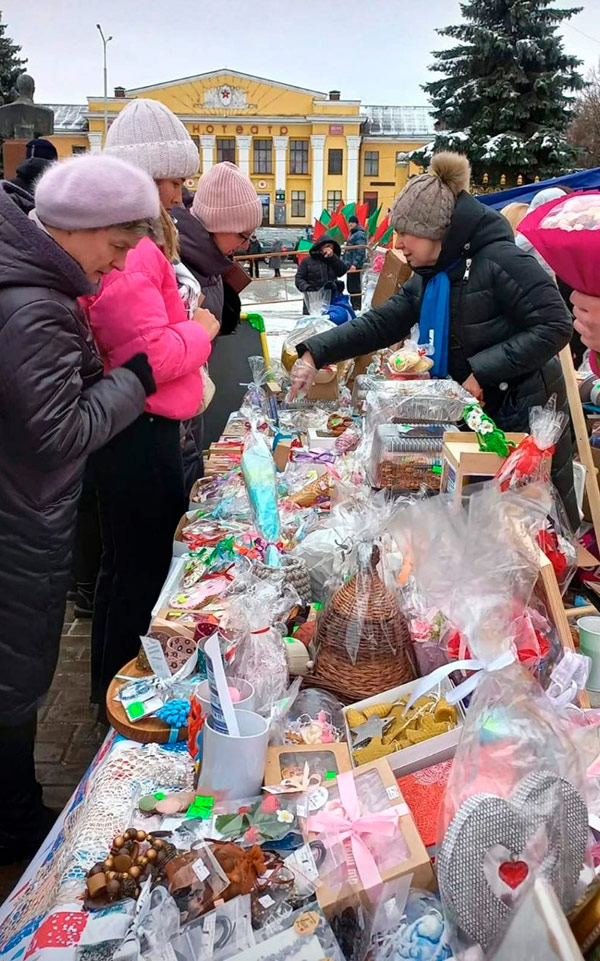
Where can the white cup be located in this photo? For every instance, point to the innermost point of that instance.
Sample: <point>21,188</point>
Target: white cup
<point>246,691</point>
<point>589,643</point>
<point>233,766</point>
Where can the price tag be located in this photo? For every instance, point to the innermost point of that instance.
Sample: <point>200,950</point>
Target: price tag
<point>156,657</point>
<point>266,900</point>
<point>200,870</point>
<point>393,792</point>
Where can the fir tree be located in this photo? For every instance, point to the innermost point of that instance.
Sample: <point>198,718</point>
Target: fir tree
<point>506,95</point>
<point>11,65</point>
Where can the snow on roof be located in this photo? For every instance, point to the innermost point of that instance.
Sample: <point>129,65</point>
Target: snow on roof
<point>398,121</point>
<point>69,117</point>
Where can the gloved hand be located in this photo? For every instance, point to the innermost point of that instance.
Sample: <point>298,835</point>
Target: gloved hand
<point>330,285</point>
<point>303,375</point>
<point>140,366</point>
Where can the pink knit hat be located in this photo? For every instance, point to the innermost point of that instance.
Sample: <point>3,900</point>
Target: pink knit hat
<point>91,191</point>
<point>226,202</point>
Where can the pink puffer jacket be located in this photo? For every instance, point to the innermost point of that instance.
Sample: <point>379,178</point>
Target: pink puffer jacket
<point>139,309</point>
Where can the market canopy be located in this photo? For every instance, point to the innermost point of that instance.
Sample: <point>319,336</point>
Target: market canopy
<point>582,180</point>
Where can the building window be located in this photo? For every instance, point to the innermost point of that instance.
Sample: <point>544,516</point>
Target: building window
<point>77,148</point>
<point>371,197</point>
<point>334,199</point>
<point>298,156</point>
<point>371,163</point>
<point>225,150</point>
<point>335,161</point>
<point>298,203</point>
<point>263,163</point>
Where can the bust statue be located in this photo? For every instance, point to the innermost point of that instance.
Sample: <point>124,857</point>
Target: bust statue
<point>23,119</point>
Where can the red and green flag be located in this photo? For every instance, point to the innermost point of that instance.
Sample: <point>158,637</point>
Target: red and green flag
<point>338,228</point>
<point>381,231</point>
<point>386,240</point>
<point>361,213</point>
<point>349,211</point>
<point>372,221</point>
<point>319,230</point>
<point>325,217</point>
<point>303,248</point>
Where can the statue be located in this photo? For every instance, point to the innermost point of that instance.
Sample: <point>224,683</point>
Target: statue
<point>23,119</point>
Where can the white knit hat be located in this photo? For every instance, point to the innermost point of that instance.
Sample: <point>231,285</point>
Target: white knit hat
<point>148,135</point>
<point>226,201</point>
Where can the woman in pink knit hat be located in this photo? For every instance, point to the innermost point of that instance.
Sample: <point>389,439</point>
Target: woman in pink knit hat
<point>212,225</point>
<point>139,476</point>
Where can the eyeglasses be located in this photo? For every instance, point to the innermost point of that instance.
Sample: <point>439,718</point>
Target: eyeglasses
<point>245,237</point>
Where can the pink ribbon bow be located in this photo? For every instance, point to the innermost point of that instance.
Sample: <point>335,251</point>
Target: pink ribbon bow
<point>347,823</point>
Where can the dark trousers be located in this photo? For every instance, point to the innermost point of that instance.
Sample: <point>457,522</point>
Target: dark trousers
<point>276,272</point>
<point>254,269</point>
<point>139,478</point>
<point>353,283</point>
<point>21,797</point>
<point>88,540</point>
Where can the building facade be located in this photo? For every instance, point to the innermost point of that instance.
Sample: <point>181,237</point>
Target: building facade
<point>304,150</point>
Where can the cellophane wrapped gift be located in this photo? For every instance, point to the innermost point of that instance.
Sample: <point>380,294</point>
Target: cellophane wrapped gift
<point>260,476</point>
<point>362,639</point>
<point>407,456</point>
<point>532,459</point>
<point>306,328</point>
<point>412,401</point>
<point>514,811</point>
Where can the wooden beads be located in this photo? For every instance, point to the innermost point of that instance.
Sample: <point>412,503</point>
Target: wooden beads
<point>133,855</point>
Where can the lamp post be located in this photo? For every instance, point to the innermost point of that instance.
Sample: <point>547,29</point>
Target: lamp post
<point>105,42</point>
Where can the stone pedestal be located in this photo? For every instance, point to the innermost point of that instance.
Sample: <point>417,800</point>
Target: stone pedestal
<point>13,153</point>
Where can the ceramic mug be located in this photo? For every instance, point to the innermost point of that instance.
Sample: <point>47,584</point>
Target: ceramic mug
<point>589,643</point>
<point>232,766</point>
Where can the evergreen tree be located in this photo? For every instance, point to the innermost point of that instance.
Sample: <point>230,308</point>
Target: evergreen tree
<point>506,95</point>
<point>11,65</point>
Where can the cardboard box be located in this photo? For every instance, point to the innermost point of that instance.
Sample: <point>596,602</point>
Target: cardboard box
<point>173,623</point>
<point>462,459</point>
<point>376,782</point>
<point>395,273</point>
<point>179,546</point>
<point>325,760</point>
<point>442,747</point>
<point>281,454</point>
<point>326,386</point>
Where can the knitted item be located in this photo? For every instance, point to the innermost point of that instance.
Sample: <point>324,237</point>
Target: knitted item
<point>148,135</point>
<point>425,207</point>
<point>91,191</point>
<point>226,201</point>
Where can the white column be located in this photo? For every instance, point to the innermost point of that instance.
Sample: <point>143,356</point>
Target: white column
<point>353,145</point>
<point>243,152</point>
<point>95,139</point>
<point>281,146</point>
<point>208,152</point>
<point>318,168</point>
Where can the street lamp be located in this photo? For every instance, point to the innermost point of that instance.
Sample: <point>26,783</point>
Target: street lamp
<point>105,41</point>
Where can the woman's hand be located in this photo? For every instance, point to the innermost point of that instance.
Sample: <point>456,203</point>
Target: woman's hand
<point>208,321</point>
<point>472,385</point>
<point>586,311</point>
<point>304,372</point>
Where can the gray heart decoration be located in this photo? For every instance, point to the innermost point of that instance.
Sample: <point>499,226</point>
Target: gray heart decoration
<point>543,805</point>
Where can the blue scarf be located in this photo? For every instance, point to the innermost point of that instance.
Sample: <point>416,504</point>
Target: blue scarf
<point>434,320</point>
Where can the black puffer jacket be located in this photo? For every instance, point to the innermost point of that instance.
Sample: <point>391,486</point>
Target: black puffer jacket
<point>507,324</point>
<point>55,409</point>
<point>29,171</point>
<point>316,270</point>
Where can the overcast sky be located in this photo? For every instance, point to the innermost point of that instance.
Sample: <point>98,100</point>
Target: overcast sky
<point>377,51</point>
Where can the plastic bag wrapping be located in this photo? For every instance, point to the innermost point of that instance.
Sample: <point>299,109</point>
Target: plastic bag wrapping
<point>411,361</point>
<point>155,924</point>
<point>553,534</point>
<point>407,456</point>
<point>256,397</point>
<point>409,924</point>
<point>304,933</point>
<point>306,328</point>
<point>408,401</point>
<point>514,810</point>
<point>219,934</point>
<point>260,476</point>
<point>256,617</point>
<point>362,639</point>
<point>532,459</point>
<point>565,232</point>
<point>196,879</point>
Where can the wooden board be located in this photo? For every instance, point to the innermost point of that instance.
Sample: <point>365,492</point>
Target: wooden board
<point>581,436</point>
<point>556,609</point>
<point>462,457</point>
<point>145,731</point>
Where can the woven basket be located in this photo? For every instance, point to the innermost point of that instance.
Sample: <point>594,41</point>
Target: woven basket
<point>295,573</point>
<point>362,640</point>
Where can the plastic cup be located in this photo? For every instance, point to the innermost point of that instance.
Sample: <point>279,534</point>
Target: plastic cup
<point>246,690</point>
<point>589,643</point>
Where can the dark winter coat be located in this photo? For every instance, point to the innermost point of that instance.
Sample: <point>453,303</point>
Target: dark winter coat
<point>356,258</point>
<point>28,172</point>
<point>55,409</point>
<point>507,324</point>
<point>275,262</point>
<point>317,270</point>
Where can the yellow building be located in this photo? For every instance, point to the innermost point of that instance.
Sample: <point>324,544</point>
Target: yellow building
<point>303,150</point>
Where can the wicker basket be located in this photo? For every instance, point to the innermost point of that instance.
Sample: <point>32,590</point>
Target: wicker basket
<point>295,573</point>
<point>362,639</point>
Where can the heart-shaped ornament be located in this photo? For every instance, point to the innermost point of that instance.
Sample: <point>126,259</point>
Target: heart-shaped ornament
<point>513,873</point>
<point>541,831</point>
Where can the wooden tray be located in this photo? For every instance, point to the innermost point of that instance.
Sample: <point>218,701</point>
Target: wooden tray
<point>144,731</point>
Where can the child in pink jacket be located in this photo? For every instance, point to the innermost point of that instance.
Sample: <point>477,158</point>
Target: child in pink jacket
<point>139,309</point>
<point>139,476</point>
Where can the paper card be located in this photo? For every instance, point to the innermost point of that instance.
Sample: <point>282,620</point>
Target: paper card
<point>200,870</point>
<point>156,657</point>
<point>223,718</point>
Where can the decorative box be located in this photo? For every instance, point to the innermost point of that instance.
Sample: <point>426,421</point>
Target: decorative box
<point>440,747</point>
<point>325,761</point>
<point>423,791</point>
<point>407,456</point>
<point>369,835</point>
